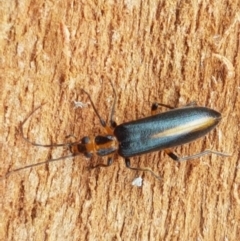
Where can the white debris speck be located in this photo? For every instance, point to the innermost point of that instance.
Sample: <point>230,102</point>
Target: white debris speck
<point>137,182</point>
<point>79,104</point>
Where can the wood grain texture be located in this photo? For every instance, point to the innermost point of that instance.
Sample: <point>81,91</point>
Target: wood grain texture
<point>173,52</point>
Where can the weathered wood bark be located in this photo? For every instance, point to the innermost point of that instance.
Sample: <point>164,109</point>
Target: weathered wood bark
<point>162,51</point>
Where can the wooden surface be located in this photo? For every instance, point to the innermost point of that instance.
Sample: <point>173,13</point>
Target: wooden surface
<point>162,51</point>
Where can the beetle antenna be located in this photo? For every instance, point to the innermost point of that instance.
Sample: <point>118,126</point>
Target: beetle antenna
<point>38,144</point>
<point>113,123</point>
<point>103,123</point>
<point>38,164</point>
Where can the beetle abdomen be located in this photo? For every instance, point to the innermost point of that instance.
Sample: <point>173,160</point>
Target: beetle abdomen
<point>165,130</point>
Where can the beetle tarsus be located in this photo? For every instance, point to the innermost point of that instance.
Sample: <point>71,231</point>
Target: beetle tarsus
<point>155,105</point>
<point>109,163</point>
<point>205,152</point>
<point>146,169</point>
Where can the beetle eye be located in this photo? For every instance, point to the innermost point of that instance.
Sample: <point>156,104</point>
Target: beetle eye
<point>85,140</point>
<point>81,148</point>
<point>88,154</point>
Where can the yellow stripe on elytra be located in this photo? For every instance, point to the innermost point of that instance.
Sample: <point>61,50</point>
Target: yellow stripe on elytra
<point>195,125</point>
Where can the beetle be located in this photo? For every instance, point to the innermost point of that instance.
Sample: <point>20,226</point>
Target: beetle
<point>160,131</point>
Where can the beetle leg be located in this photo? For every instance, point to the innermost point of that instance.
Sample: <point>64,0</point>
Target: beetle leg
<point>109,163</point>
<point>127,163</point>
<point>192,103</point>
<point>205,152</point>
<point>155,106</point>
